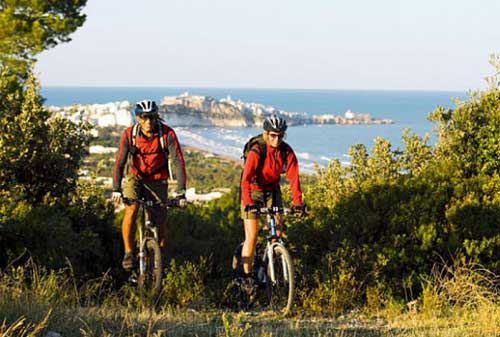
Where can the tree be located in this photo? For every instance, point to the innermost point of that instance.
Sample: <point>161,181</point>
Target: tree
<point>45,209</point>
<point>39,155</point>
<point>469,135</point>
<point>28,27</point>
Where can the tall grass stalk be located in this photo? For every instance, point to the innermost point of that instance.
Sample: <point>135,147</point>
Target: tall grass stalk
<point>21,328</point>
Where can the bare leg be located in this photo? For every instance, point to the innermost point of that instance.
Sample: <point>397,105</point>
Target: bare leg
<point>248,250</point>
<point>279,224</point>
<point>129,227</point>
<point>162,233</point>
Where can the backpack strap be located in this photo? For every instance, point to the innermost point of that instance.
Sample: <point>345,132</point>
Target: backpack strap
<point>163,144</point>
<point>164,148</point>
<point>135,131</point>
<point>133,136</point>
<point>284,150</point>
<point>262,154</point>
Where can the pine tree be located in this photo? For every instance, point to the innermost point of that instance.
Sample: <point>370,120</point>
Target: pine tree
<point>27,27</point>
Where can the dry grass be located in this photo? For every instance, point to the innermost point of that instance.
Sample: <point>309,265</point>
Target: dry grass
<point>458,301</point>
<point>20,328</point>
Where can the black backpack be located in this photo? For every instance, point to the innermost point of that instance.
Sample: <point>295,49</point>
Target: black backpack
<point>262,152</point>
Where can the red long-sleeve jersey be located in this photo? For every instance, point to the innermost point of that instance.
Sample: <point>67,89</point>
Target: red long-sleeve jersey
<point>267,178</point>
<point>150,162</point>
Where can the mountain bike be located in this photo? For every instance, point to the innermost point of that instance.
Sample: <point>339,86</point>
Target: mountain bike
<point>148,273</point>
<point>272,267</point>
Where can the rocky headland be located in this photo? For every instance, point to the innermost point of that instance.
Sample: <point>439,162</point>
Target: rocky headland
<point>187,110</point>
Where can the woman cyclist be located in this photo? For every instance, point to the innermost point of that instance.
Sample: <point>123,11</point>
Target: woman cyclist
<point>260,185</point>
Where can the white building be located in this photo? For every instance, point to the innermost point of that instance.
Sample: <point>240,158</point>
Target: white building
<point>349,114</point>
<point>106,120</point>
<point>102,149</point>
<point>124,117</point>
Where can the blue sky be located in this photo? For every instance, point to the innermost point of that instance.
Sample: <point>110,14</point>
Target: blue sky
<point>313,44</point>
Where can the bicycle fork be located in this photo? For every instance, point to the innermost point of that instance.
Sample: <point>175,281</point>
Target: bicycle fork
<point>142,265</point>
<point>270,254</point>
<point>148,226</point>
<point>270,262</point>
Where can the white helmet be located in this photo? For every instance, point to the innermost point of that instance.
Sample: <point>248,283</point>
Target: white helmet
<point>146,107</point>
<point>275,123</point>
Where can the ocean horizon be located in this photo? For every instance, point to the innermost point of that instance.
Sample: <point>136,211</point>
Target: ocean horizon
<point>313,144</point>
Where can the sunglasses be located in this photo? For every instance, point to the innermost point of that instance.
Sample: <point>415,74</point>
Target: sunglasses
<point>144,117</point>
<point>276,135</point>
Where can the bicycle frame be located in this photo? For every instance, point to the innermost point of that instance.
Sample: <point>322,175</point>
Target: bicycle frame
<point>278,279</point>
<point>268,258</point>
<point>273,240</point>
<point>149,240</point>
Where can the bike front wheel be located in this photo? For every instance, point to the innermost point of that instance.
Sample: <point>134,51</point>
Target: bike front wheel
<point>280,283</point>
<point>150,280</point>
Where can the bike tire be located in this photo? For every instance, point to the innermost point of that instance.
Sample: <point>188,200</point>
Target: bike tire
<point>281,292</point>
<point>150,283</point>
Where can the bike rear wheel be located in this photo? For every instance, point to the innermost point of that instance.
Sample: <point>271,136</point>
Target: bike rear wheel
<point>151,281</point>
<point>281,290</point>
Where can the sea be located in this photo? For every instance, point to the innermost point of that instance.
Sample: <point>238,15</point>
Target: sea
<point>313,144</point>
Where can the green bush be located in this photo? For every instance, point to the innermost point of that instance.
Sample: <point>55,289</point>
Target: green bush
<point>183,284</point>
<point>45,213</point>
<point>392,214</point>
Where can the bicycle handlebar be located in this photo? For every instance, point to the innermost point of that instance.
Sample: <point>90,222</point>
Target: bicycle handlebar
<point>152,203</point>
<point>275,210</point>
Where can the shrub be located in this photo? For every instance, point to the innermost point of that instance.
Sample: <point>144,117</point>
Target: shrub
<point>183,284</point>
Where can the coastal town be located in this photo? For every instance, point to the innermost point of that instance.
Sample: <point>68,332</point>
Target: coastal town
<point>188,110</point>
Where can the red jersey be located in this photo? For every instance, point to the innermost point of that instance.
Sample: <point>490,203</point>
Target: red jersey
<point>268,177</point>
<point>149,160</point>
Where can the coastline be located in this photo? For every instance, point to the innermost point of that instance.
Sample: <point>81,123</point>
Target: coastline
<point>185,110</point>
<point>235,161</point>
<point>313,144</point>
<point>208,153</point>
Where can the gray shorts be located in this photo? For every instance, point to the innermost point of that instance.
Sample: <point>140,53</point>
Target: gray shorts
<point>136,188</point>
<point>263,199</point>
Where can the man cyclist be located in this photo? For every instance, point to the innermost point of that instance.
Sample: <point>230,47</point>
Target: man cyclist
<point>260,185</point>
<point>147,149</point>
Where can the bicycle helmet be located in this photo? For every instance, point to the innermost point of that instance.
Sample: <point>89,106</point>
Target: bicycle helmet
<point>275,123</point>
<point>146,107</point>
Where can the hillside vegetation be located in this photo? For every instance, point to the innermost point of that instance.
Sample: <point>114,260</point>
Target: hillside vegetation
<point>402,242</point>
<point>400,232</point>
